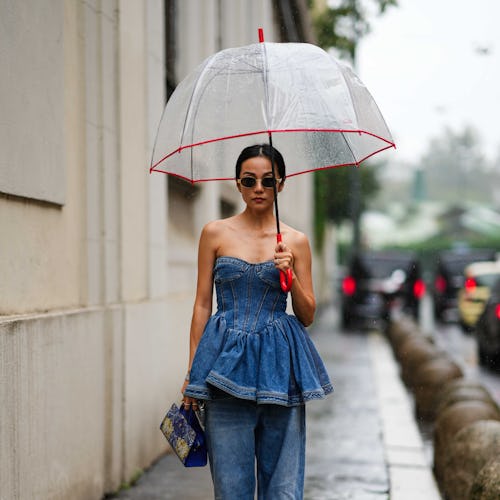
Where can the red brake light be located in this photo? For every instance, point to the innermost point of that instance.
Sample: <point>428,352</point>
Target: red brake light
<point>419,289</point>
<point>470,285</point>
<point>497,311</point>
<point>348,285</point>
<point>440,284</point>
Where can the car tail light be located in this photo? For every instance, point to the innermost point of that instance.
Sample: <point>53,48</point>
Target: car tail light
<point>497,311</point>
<point>470,285</point>
<point>440,284</point>
<point>349,285</point>
<point>419,289</point>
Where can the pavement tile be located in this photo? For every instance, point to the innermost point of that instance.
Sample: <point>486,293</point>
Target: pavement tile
<point>413,483</point>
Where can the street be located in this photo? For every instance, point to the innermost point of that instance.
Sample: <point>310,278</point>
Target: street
<point>462,347</point>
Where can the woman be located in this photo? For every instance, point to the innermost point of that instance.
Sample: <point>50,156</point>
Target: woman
<point>252,363</point>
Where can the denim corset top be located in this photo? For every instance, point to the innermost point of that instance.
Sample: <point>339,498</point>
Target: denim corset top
<point>248,295</point>
<point>251,348</point>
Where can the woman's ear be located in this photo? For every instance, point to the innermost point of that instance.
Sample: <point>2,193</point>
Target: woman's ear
<point>281,185</point>
<point>238,185</point>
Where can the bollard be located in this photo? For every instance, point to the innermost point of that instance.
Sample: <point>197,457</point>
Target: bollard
<point>462,390</point>
<point>486,486</point>
<point>399,331</point>
<point>416,351</point>
<point>451,421</point>
<point>472,448</point>
<point>428,379</point>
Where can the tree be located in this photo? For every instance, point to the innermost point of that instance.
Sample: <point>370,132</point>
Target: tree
<point>333,194</point>
<point>342,26</point>
<point>455,168</point>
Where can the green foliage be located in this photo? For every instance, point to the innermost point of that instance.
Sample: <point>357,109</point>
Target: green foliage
<point>328,32</point>
<point>342,26</point>
<point>337,182</point>
<point>333,194</point>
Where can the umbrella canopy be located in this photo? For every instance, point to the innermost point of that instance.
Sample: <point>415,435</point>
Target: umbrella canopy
<point>308,105</point>
<point>319,113</point>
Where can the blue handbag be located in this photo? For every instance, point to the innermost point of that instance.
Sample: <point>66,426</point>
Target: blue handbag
<point>185,435</point>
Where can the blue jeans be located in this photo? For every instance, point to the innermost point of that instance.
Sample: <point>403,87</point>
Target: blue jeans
<point>241,432</point>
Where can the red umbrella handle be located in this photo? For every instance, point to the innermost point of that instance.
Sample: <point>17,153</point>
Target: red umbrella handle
<point>286,279</point>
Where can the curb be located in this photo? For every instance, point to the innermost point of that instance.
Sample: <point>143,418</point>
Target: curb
<point>409,472</point>
<point>454,406</point>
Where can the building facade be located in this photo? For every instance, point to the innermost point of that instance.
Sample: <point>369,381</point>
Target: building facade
<point>97,256</point>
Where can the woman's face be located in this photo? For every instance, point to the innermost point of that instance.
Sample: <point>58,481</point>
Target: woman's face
<point>258,196</point>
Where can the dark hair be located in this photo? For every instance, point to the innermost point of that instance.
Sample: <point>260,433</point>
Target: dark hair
<point>271,153</point>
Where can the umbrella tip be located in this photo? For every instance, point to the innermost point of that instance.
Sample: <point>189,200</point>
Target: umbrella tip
<point>261,35</point>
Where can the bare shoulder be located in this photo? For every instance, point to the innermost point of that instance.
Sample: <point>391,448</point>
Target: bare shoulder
<point>214,232</point>
<point>295,239</point>
<point>213,228</point>
<point>219,226</point>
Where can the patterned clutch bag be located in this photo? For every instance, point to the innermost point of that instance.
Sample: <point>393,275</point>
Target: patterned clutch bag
<point>185,435</point>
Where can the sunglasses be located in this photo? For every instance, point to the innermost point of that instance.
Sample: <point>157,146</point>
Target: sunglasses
<point>250,182</point>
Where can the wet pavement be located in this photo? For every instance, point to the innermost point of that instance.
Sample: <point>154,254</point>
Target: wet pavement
<point>362,441</point>
<point>345,453</point>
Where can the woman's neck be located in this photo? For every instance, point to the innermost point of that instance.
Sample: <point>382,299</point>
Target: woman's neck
<point>258,221</point>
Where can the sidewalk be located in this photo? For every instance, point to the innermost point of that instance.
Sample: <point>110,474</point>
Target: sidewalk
<point>362,441</point>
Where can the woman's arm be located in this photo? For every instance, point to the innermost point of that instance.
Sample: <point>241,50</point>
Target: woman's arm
<point>300,261</point>
<point>202,308</point>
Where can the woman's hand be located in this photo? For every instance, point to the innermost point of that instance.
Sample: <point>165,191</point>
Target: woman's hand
<point>299,262</point>
<point>283,257</point>
<point>188,401</point>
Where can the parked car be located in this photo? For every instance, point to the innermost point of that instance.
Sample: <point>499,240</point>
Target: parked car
<point>479,277</point>
<point>488,330</point>
<point>378,280</point>
<point>449,278</point>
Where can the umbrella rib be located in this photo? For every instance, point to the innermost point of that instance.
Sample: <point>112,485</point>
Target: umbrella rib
<point>356,111</point>
<point>266,83</point>
<point>189,109</point>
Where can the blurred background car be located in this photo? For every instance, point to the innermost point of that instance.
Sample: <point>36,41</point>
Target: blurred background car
<point>449,278</point>
<point>487,330</point>
<point>479,277</point>
<point>377,281</point>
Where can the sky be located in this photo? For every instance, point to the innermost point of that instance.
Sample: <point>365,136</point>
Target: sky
<point>432,64</point>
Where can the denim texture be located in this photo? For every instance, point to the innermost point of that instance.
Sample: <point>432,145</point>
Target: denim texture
<point>244,437</point>
<point>251,348</point>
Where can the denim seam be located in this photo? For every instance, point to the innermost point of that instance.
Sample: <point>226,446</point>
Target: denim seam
<point>235,302</point>
<point>248,297</point>
<point>275,304</point>
<point>259,309</point>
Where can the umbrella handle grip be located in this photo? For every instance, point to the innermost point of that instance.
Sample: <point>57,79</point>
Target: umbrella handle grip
<point>286,278</point>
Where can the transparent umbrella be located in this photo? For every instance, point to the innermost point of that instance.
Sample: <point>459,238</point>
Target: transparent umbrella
<point>307,104</point>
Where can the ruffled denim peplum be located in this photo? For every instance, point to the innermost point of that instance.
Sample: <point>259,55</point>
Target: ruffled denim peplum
<point>251,348</point>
